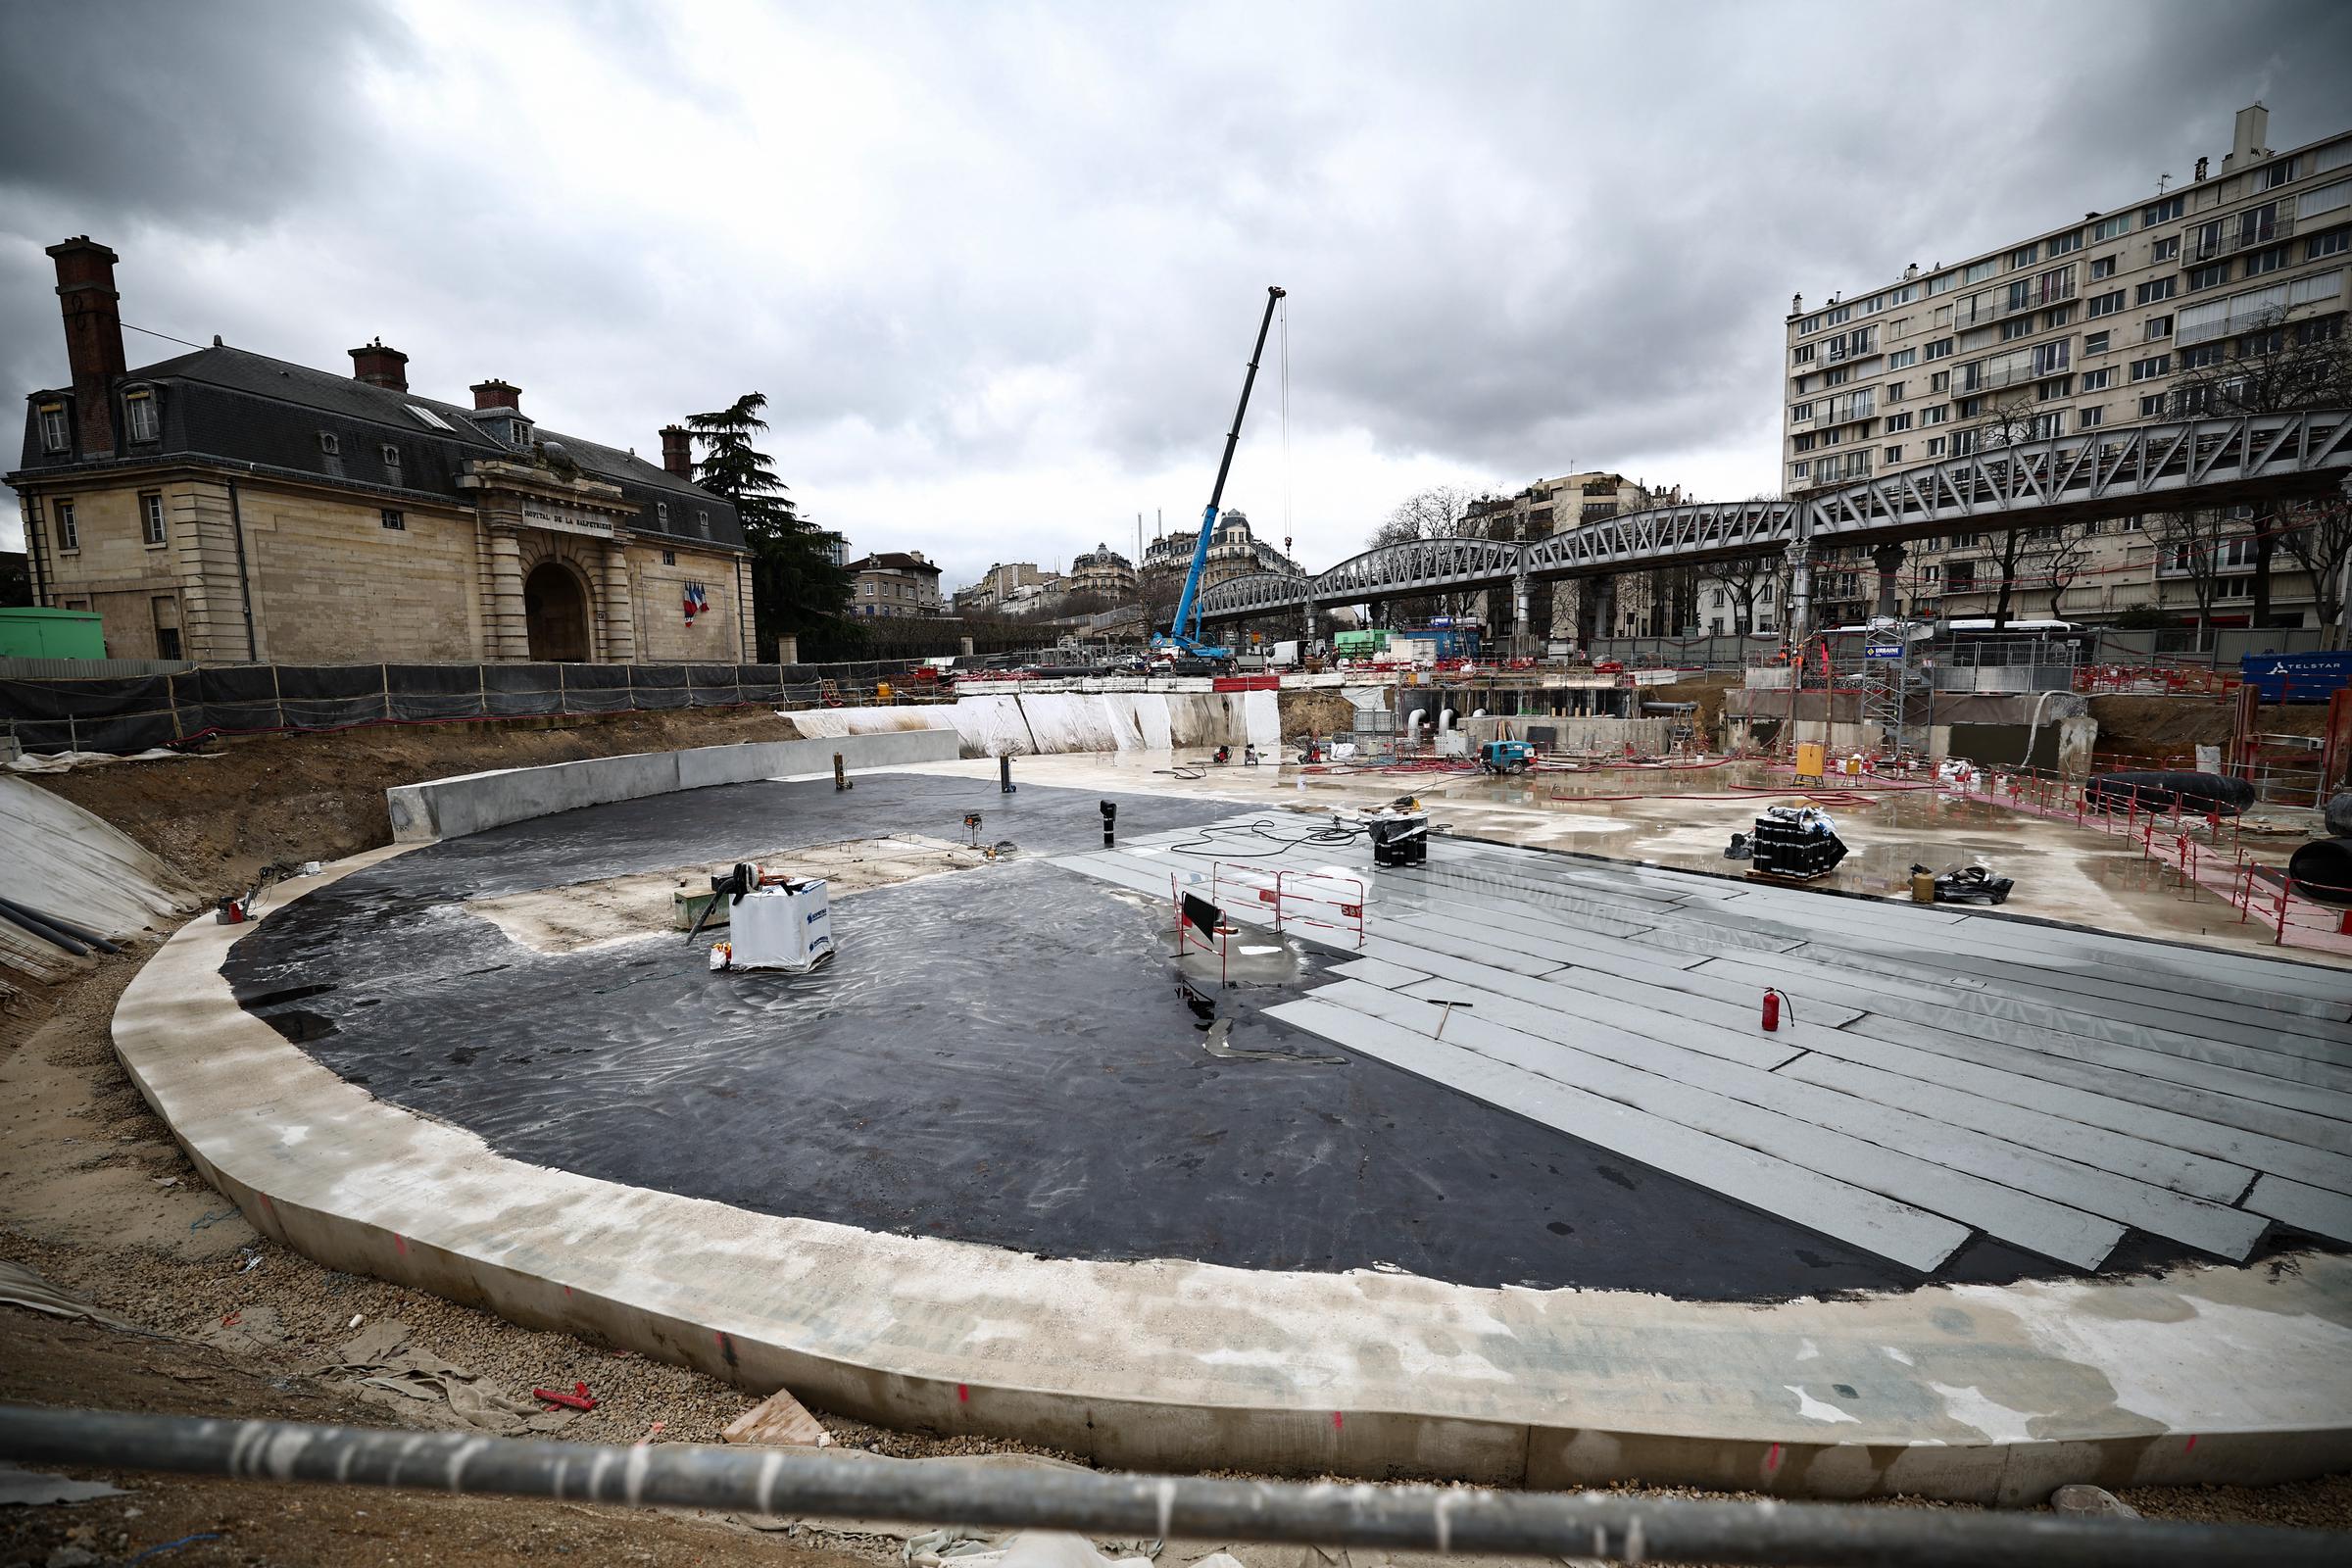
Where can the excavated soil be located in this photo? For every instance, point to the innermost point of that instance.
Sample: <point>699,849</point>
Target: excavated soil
<point>236,806</point>
<point>2165,726</point>
<point>1319,712</point>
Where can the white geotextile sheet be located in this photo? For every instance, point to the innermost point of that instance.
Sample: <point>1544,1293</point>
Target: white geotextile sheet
<point>59,859</point>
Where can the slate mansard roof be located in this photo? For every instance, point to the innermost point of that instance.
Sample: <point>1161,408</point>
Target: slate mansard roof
<point>237,407</point>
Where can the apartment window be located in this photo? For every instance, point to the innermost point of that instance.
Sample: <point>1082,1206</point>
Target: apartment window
<point>2326,329</point>
<point>2096,342</point>
<point>68,533</point>
<point>670,558</point>
<point>2159,288</point>
<point>2255,344</point>
<point>2048,426</point>
<point>2152,408</point>
<point>2063,316</point>
<point>1835,378</point>
<point>2267,259</point>
<point>2024,256</point>
<point>2192,400</point>
<point>2102,266</point>
<point>1801,386</point>
<point>1936,446</point>
<point>2106,304</point>
<point>2051,357</point>
<point>2012,330</point>
<point>2130,524</point>
<point>2157,328</point>
<point>2198,358</point>
<point>1810,324</point>
<point>1979,272</point>
<point>391,517</point>
<point>1804,355</point>
<point>2275,176</point>
<point>2167,249</point>
<point>1801,470</point>
<point>1897,423</point>
<point>1933,572</point>
<point>150,517</point>
<point>2163,212</point>
<point>1903,358</point>
<point>140,422</point>
<point>2107,228</point>
<point>1840,315</point>
<point>1798,414</point>
<point>1936,414</point>
<point>1893,455</point>
<point>1942,284</point>
<point>2060,244</point>
<point>2097,381</point>
<point>2334,242</point>
<point>330,443</point>
<point>1971,408</point>
<point>1941,349</point>
<point>2092,417</point>
<point>1894,391</point>
<point>1865,340</point>
<point>1962,576</point>
<point>2211,275</point>
<point>1939,381</point>
<point>2151,368</point>
<point>56,434</point>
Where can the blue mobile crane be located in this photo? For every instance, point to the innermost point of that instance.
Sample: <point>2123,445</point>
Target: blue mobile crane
<point>1183,636</point>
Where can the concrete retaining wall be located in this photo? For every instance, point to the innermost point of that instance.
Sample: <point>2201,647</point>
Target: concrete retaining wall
<point>1043,722</point>
<point>453,807</point>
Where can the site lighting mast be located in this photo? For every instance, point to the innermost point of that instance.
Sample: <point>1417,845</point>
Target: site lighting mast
<point>1183,635</point>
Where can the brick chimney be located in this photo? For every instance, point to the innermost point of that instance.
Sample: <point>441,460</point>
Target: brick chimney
<point>497,394</point>
<point>85,293</point>
<point>378,366</point>
<point>677,451</point>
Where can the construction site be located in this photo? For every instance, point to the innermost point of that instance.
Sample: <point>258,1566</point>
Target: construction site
<point>1493,1078</point>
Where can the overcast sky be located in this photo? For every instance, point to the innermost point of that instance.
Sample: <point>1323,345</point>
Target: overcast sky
<point>996,266</point>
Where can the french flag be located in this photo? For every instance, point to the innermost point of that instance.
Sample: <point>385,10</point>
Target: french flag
<point>697,601</point>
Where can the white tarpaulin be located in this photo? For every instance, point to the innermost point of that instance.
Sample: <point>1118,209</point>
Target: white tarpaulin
<point>59,859</point>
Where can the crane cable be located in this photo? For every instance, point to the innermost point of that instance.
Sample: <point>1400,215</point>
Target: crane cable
<point>1286,421</point>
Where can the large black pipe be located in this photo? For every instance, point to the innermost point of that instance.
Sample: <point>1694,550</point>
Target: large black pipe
<point>2322,870</point>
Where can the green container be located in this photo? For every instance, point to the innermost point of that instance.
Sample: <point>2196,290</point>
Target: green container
<point>27,633</point>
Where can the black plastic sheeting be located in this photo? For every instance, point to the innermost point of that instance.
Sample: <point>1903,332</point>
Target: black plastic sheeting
<point>134,714</point>
<point>1001,1056</point>
<point>2155,790</point>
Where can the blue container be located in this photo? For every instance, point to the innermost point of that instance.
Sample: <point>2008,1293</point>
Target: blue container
<point>2296,677</point>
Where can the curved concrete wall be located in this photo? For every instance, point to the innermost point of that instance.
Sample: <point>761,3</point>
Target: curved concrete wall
<point>1038,723</point>
<point>452,807</point>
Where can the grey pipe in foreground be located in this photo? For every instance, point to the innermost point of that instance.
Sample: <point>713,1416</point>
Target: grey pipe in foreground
<point>770,1481</point>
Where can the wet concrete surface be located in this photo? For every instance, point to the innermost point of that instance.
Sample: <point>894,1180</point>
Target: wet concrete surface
<point>1002,1056</point>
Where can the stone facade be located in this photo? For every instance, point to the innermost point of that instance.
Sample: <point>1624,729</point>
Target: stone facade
<point>225,508</point>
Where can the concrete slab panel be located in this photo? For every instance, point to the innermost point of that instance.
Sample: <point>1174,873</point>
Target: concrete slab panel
<point>2313,1210</point>
<point>1910,1236</point>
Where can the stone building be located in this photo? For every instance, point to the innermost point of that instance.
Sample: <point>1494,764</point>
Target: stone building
<point>894,583</point>
<point>1234,550</point>
<point>227,507</point>
<point>1103,570</point>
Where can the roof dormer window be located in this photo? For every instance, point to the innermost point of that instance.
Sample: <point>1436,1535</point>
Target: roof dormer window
<point>141,421</point>
<point>57,431</point>
<point>330,443</point>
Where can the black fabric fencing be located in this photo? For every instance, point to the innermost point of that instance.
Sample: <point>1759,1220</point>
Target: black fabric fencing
<point>134,714</point>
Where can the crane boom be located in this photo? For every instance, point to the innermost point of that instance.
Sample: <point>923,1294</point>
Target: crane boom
<point>1180,636</point>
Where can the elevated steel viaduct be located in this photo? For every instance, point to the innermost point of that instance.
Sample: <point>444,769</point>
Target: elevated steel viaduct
<point>2094,474</point>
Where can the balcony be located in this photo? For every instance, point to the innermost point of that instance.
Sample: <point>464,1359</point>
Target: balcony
<point>2225,236</point>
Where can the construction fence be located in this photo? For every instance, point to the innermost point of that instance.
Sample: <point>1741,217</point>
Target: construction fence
<point>126,714</point>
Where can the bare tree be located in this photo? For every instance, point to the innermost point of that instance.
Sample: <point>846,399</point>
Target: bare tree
<point>2055,556</point>
<point>2318,535</point>
<point>2005,428</point>
<point>1435,513</point>
<point>2190,543</point>
<point>2272,367</point>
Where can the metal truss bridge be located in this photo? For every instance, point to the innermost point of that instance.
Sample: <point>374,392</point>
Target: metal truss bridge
<point>2093,474</point>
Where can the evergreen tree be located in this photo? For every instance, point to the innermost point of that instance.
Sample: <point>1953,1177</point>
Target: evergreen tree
<point>796,588</point>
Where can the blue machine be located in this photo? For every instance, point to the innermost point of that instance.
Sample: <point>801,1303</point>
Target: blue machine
<point>1183,635</point>
<point>1505,756</point>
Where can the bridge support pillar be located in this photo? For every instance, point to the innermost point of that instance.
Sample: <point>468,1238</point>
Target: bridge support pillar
<point>1307,615</point>
<point>1800,592</point>
<point>1889,558</point>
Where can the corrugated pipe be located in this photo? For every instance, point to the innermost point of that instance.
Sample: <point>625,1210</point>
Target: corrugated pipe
<point>763,1481</point>
<point>45,931</point>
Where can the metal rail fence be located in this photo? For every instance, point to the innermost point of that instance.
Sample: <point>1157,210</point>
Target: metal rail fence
<point>1614,1526</point>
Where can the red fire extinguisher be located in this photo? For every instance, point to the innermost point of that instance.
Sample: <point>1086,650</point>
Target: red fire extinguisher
<point>1772,1009</point>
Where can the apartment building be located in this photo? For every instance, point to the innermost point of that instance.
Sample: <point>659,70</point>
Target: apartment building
<point>2128,314</point>
<point>894,583</point>
<point>1103,570</point>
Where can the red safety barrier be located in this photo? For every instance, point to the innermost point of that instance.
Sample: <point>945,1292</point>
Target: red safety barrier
<point>1343,895</point>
